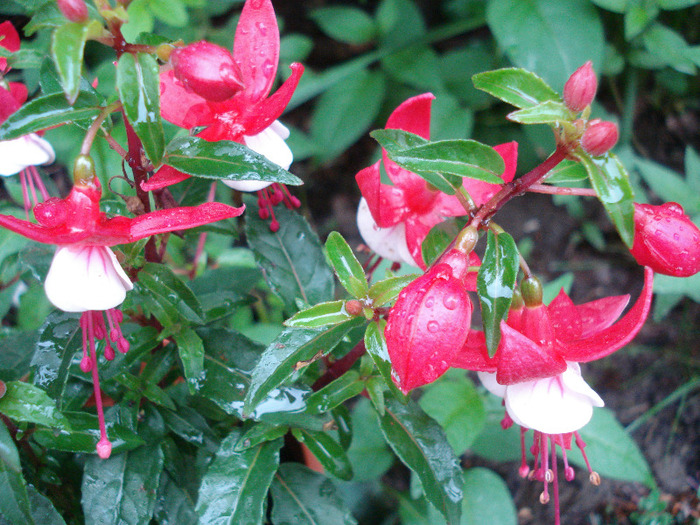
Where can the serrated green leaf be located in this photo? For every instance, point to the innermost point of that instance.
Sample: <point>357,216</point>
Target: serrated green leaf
<point>495,283</point>
<point>322,314</point>
<point>83,435</point>
<point>48,111</point>
<point>385,291</point>
<point>517,87</point>
<point>67,49</point>
<point>234,488</point>
<point>333,394</point>
<point>346,266</point>
<point>611,183</point>
<point>123,488</point>
<point>223,160</point>
<point>138,84</point>
<point>280,359</point>
<point>422,446</point>
<point>14,503</point>
<point>304,497</point>
<point>292,258</point>
<point>327,451</point>
<point>25,402</point>
<point>548,112</point>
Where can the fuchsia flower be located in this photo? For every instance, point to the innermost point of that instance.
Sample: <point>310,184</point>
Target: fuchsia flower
<point>22,154</point>
<point>249,116</point>
<point>535,370</point>
<point>430,321</point>
<point>666,239</point>
<point>85,275</point>
<point>394,220</point>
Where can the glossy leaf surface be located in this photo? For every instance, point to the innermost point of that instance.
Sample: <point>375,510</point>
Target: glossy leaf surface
<point>327,451</point>
<point>518,87</point>
<point>67,50</point>
<point>322,314</point>
<point>346,266</point>
<point>14,503</point>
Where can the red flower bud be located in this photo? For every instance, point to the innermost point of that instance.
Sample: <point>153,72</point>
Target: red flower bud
<point>666,240</point>
<point>600,136</point>
<point>73,10</point>
<point>208,70</point>
<point>579,90</point>
<point>429,323</point>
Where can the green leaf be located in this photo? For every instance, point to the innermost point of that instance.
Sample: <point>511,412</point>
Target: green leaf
<point>517,87</point>
<point>548,112</point>
<point>234,488</point>
<point>14,503</point>
<point>328,452</point>
<point>349,25</point>
<point>552,38</point>
<point>422,446</point>
<point>456,405</point>
<point>172,12</point>
<point>292,258</point>
<point>282,357</point>
<point>345,112</point>
<point>48,111</point>
<point>187,423</point>
<point>333,394</point>
<point>676,4</point>
<point>83,435</point>
<point>304,497</point>
<point>67,49</point>
<point>191,350</point>
<point>611,451</point>
<point>375,343</point>
<point>167,289</point>
<point>368,453</point>
<point>611,183</point>
<point>139,84</point>
<point>487,499</point>
<point>174,505</point>
<point>566,172</point>
<point>122,489</point>
<point>260,432</point>
<point>463,158</point>
<point>58,342</point>
<point>346,266</point>
<point>223,160</point>
<point>25,402</point>
<point>495,283</point>
<point>383,292</point>
<point>322,314</point>
<point>138,387</point>
<point>42,509</point>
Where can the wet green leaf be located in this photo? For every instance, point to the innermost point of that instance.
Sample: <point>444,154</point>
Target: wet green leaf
<point>368,453</point>
<point>304,497</point>
<point>386,291</point>
<point>258,433</point>
<point>567,171</point>
<point>223,160</point>
<point>375,343</point>
<point>422,446</point>
<point>322,314</point>
<point>333,394</point>
<point>327,451</point>
<point>191,426</point>
<point>14,503</point>
<point>548,112</point>
<point>169,295</point>
<point>234,488</point>
<point>173,505</point>
<point>495,283</point>
<point>67,49</point>
<point>282,357</point>
<point>191,351</point>
<point>610,181</point>
<point>138,387</point>
<point>139,84</point>
<point>346,266</point>
<point>123,488</point>
<point>25,402</point>
<point>517,87</point>
<point>43,511</point>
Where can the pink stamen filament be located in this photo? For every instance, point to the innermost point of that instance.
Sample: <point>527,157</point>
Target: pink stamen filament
<point>104,446</point>
<point>555,483</point>
<point>524,469</point>
<point>202,236</point>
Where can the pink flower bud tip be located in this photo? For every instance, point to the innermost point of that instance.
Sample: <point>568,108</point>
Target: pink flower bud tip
<point>73,10</point>
<point>104,448</point>
<point>599,138</point>
<point>666,240</point>
<point>580,89</point>
<point>207,70</point>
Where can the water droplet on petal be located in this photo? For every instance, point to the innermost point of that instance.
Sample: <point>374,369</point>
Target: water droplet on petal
<point>433,326</point>
<point>429,302</point>
<point>450,302</point>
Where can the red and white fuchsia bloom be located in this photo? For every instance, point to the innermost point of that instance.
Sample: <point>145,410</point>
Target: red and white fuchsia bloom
<point>22,154</point>
<point>394,220</point>
<point>85,275</point>
<point>248,115</point>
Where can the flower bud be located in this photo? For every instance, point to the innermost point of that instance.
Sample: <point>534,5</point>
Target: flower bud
<point>666,240</point>
<point>579,90</point>
<point>73,10</point>
<point>429,323</point>
<point>84,171</point>
<point>208,70</point>
<point>531,290</point>
<point>600,136</point>
<point>353,307</point>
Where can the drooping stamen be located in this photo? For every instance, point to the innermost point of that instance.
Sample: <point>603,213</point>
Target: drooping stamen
<point>114,317</point>
<point>546,473</point>
<point>86,363</point>
<point>507,422</point>
<point>202,236</point>
<point>555,482</point>
<point>593,476</point>
<point>569,473</point>
<point>104,446</point>
<point>524,470</point>
<point>265,209</point>
<point>38,182</point>
<point>290,201</point>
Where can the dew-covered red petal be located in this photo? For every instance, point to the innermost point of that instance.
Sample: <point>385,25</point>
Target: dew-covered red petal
<point>256,48</point>
<point>474,355</point>
<point>386,203</point>
<point>521,359</point>
<point>614,337</point>
<point>182,218</point>
<point>164,177</point>
<point>180,106</point>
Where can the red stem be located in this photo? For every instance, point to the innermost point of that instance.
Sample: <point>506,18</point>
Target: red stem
<point>341,366</point>
<point>557,190</point>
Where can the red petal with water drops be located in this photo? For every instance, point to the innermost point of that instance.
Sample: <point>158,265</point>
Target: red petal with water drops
<point>616,336</point>
<point>180,106</point>
<point>427,326</point>
<point>387,203</point>
<point>164,177</point>
<point>182,218</point>
<point>256,48</point>
<point>474,355</point>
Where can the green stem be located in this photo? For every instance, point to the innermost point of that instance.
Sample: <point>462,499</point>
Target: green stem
<point>627,124</point>
<point>86,146</point>
<point>679,393</point>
